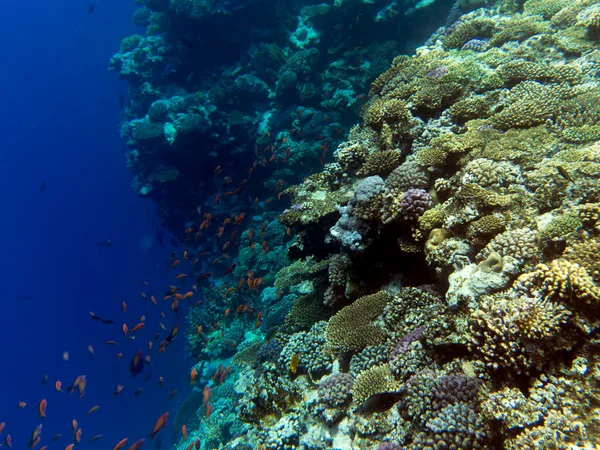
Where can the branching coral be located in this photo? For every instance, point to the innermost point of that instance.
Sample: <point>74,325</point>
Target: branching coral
<point>372,381</point>
<point>561,279</point>
<point>352,327</point>
<point>501,324</point>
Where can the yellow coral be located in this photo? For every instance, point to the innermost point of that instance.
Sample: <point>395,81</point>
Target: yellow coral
<point>372,381</point>
<point>561,279</point>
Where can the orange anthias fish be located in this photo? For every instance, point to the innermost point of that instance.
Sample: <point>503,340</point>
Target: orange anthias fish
<point>124,306</point>
<point>93,409</point>
<point>74,424</point>
<point>208,410</point>
<point>70,447</point>
<point>42,408</point>
<point>193,375</point>
<point>159,425</point>
<point>206,394</point>
<point>35,442</point>
<point>78,436</point>
<point>258,321</point>
<point>35,436</point>
<point>80,383</point>
<point>138,327</point>
<point>181,276</point>
<point>118,390</point>
<point>124,328</point>
<point>21,405</point>
<point>184,432</point>
<point>229,269</point>
<point>137,445</point>
<point>91,351</point>
<point>120,445</point>
<point>96,438</point>
<point>8,441</point>
<point>199,330</point>
<point>224,374</point>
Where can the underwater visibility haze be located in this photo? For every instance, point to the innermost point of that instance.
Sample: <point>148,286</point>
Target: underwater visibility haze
<point>301,224</point>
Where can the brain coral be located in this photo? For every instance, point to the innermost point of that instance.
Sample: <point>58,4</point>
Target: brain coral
<point>352,327</point>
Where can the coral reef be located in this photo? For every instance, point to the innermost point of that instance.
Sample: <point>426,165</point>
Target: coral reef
<point>433,281</point>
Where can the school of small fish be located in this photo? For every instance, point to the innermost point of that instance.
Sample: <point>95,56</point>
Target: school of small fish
<point>214,236</point>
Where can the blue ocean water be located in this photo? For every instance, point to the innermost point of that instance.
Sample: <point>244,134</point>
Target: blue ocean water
<point>64,189</point>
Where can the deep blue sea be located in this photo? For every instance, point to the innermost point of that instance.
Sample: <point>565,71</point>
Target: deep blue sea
<point>60,110</point>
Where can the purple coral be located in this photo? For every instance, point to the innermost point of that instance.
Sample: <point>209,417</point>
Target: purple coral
<point>270,351</point>
<point>408,339</point>
<point>389,446</point>
<point>413,204</point>
<point>438,72</point>
<point>454,388</point>
<point>476,45</point>
<point>336,390</point>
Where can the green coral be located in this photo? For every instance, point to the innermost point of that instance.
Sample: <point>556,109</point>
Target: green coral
<point>306,311</point>
<point>544,8</point>
<point>514,71</point>
<point>480,27</point>
<point>470,108</point>
<point>381,163</point>
<point>578,119</point>
<point>352,327</point>
<point>530,103</point>
<point>519,29</point>
<point>562,226</point>
<point>299,271</point>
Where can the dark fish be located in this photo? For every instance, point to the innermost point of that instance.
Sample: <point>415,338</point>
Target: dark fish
<point>25,297</point>
<point>91,8</point>
<point>381,402</point>
<point>168,69</point>
<point>148,376</point>
<point>42,186</point>
<point>137,364</point>
<point>107,243</point>
<point>94,316</point>
<point>173,333</point>
<point>563,173</point>
<point>45,379</point>
<point>186,43</point>
<point>137,392</point>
